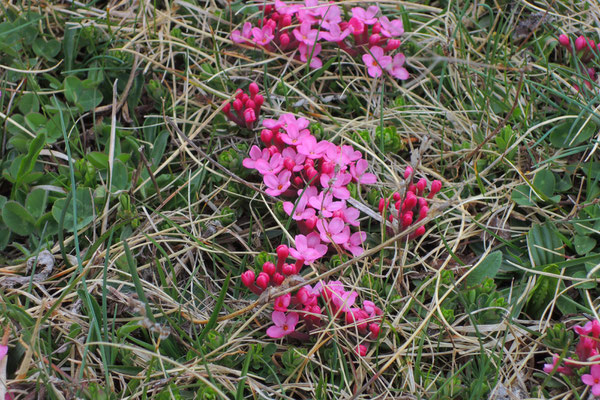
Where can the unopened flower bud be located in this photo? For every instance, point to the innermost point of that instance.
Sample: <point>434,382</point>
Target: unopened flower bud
<point>263,280</point>
<point>284,21</point>
<point>396,196</point>
<point>273,150</point>
<point>282,252</point>
<point>374,328</point>
<point>382,204</point>
<point>421,185</point>
<point>288,269</point>
<point>269,268</point>
<point>423,212</point>
<point>376,27</point>
<point>564,40</point>
<point>297,181</point>
<point>250,104</point>
<point>289,164</point>
<point>259,101</point>
<point>374,40</point>
<point>227,108</point>
<point>361,350</point>
<point>327,167</point>
<point>266,135</point>
<point>253,89</point>
<point>420,231</point>
<point>237,105</point>
<point>407,219</point>
<point>249,116</point>
<point>248,278</point>
<point>409,202</point>
<point>278,279</point>
<point>408,172</point>
<point>580,43</point>
<point>436,186</point>
<point>311,173</point>
<point>302,295</point>
<point>392,45</point>
<point>311,222</point>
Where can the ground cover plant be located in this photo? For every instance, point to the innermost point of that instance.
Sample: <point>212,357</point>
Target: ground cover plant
<point>299,199</point>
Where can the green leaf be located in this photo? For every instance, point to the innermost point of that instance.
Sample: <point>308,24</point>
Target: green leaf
<point>4,236</point>
<point>82,93</point>
<point>36,202</point>
<point>543,292</point>
<point>545,182</point>
<point>544,245</point>
<point>29,103</point>
<point>98,159</point>
<point>487,268</point>
<point>85,209</point>
<point>17,218</point>
<point>120,177</point>
<point>522,195</point>
<point>48,49</point>
<point>584,244</point>
<point>36,121</point>
<point>563,134</point>
<point>28,162</point>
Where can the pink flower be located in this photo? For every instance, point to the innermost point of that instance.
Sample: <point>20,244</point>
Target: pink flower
<point>325,204</point>
<point>284,324</point>
<point>277,184</point>
<point>396,68</point>
<point>255,154</point>
<point>311,52</point>
<point>359,174</point>
<point>334,291</point>
<point>297,158</point>
<point>586,348</point>
<point>343,155</point>
<point>272,166</point>
<point>334,231</point>
<point>349,215</point>
<point>354,243</point>
<point>592,327</point>
<point>301,212</point>
<point>335,34</point>
<point>244,35</point>
<point>548,368</point>
<point>331,15</point>
<point>262,37</point>
<point>391,28</point>
<point>293,135</point>
<point>308,248</point>
<point>367,16</point>
<point>376,61</point>
<point>306,34</point>
<point>282,302</point>
<point>3,351</point>
<point>284,9</point>
<point>371,309</point>
<point>593,379</point>
<point>337,183</point>
<point>311,149</point>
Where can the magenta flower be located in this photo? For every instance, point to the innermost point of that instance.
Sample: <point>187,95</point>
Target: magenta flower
<point>311,148</point>
<point>337,184</point>
<point>311,13</point>
<point>284,324</point>
<point>592,327</point>
<point>293,135</point>
<point>391,28</point>
<point>396,69</point>
<point>371,309</point>
<point>354,243</point>
<point>262,37</point>
<point>308,248</point>
<point>359,173</point>
<point>311,52</point>
<point>343,155</point>
<point>306,34</point>
<point>335,34</point>
<point>350,215</point>
<point>277,184</point>
<point>302,212</point>
<point>334,231</point>
<point>244,35</point>
<point>282,302</point>
<point>298,159</point>
<point>331,15</point>
<point>287,120</point>
<point>593,379</point>
<point>376,61</point>
<point>325,204</point>
<point>284,9</point>
<point>255,154</point>
<point>272,166</point>
<point>548,368</point>
<point>367,16</point>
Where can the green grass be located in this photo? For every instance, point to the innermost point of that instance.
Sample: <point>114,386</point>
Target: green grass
<point>151,217</point>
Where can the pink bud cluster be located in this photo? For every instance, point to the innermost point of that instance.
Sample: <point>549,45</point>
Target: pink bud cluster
<point>587,350</point>
<point>314,175</point>
<point>245,109</point>
<point>585,49</point>
<point>411,208</point>
<point>310,26</point>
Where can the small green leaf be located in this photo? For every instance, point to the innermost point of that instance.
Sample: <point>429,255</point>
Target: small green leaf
<point>563,134</point>
<point>522,195</point>
<point>545,182</point>
<point>4,236</point>
<point>543,292</point>
<point>36,202</point>
<point>29,103</point>
<point>85,210</point>
<point>48,49</point>
<point>82,93</point>
<point>120,177</point>
<point>487,268</point>
<point>98,160</point>
<point>28,162</point>
<point>17,218</point>
<point>584,244</point>
<point>544,245</point>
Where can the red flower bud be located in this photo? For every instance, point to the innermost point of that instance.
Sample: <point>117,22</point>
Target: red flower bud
<point>423,212</point>
<point>266,136</point>
<point>382,205</point>
<point>268,268</point>
<point>409,202</point>
<point>374,40</point>
<point>282,252</point>
<point>407,219</point>
<point>374,328</point>
<point>311,222</point>
<point>408,172</point>
<point>259,101</point>
<point>361,350</point>
<point>278,279</point>
<point>327,167</point>
<point>421,185</point>
<point>396,196</point>
<point>580,43</point>
<point>297,181</point>
<point>237,105</point>
<point>436,186</point>
<point>288,269</point>
<point>248,278</point>
<point>253,89</point>
<point>564,41</point>
<point>263,280</point>
<point>289,164</point>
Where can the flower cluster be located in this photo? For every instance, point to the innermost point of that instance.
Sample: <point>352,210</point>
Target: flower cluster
<point>246,108</point>
<point>586,350</point>
<point>585,49</point>
<point>313,25</point>
<point>314,176</point>
<point>411,208</point>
